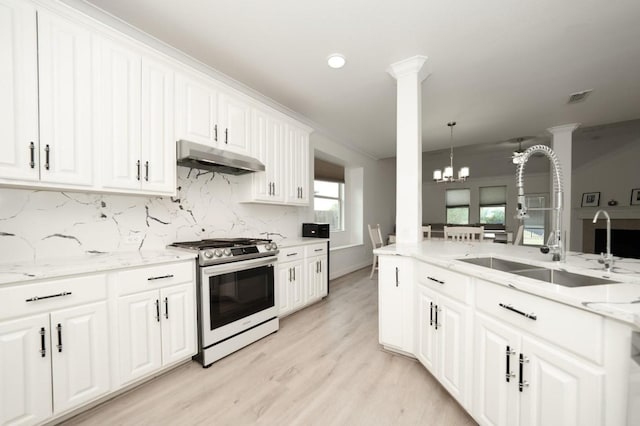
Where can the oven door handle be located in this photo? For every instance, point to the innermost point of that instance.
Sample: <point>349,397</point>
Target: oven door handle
<point>238,266</point>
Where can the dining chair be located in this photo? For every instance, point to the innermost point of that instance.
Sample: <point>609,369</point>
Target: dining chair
<point>461,233</point>
<point>426,230</point>
<point>518,239</point>
<point>376,242</point>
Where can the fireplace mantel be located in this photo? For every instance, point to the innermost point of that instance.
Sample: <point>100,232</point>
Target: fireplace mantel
<point>616,212</point>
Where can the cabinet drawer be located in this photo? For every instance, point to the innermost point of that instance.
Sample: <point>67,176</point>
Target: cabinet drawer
<point>574,329</point>
<point>446,282</point>
<point>289,254</point>
<point>154,277</point>
<point>315,250</point>
<point>47,296</point>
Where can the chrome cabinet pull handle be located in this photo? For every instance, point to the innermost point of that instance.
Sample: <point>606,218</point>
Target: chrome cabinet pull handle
<point>166,307</point>
<point>291,254</point>
<point>517,311</point>
<point>46,156</point>
<point>32,154</point>
<point>521,382</point>
<point>36,298</point>
<point>157,310</point>
<point>162,277</point>
<point>289,274</point>
<point>226,135</point>
<point>430,313</point>
<point>436,280</point>
<point>59,328</point>
<point>294,273</point>
<point>138,168</point>
<point>146,171</point>
<point>436,309</point>
<point>397,277</point>
<point>43,348</point>
<point>319,249</point>
<point>509,375</point>
<point>215,133</point>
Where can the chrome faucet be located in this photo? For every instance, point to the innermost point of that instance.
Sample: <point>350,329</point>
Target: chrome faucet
<point>555,243</point>
<point>606,259</point>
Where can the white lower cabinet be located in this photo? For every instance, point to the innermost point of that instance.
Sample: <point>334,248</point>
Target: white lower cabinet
<point>156,328</point>
<point>57,360</point>
<point>442,341</point>
<point>522,380</point>
<point>395,303</point>
<point>302,276</point>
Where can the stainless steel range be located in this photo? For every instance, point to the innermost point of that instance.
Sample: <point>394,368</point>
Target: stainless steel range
<point>236,293</point>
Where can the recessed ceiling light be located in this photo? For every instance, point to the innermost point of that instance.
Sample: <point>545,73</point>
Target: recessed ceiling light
<point>336,60</point>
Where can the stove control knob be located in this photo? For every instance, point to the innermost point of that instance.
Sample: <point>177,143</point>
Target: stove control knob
<point>267,246</point>
<point>274,246</point>
<point>218,252</point>
<point>227,252</point>
<point>208,254</point>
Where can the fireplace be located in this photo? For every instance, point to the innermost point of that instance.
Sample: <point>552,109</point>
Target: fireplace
<point>624,242</point>
<point>625,237</point>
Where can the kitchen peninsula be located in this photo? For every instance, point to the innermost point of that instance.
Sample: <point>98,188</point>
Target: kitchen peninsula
<point>512,349</point>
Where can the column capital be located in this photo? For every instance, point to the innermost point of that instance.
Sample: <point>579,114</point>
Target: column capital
<point>412,65</point>
<point>564,128</point>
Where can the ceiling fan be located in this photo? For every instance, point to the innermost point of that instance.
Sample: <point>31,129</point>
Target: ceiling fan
<point>523,143</point>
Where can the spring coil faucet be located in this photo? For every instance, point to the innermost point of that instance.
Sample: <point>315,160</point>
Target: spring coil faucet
<point>555,243</point>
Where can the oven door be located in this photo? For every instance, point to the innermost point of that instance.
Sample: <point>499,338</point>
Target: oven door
<point>235,297</point>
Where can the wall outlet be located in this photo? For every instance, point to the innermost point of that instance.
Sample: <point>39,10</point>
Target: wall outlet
<point>134,239</point>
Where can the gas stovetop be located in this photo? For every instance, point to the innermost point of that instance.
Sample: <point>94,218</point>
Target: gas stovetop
<point>223,250</point>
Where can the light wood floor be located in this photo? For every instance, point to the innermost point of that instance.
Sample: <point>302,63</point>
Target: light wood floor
<point>323,367</point>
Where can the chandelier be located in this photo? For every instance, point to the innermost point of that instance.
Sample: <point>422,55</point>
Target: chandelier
<point>447,176</point>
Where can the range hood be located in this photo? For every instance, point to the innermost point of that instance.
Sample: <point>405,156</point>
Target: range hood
<point>199,156</point>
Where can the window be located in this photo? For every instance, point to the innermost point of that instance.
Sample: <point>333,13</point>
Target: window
<point>457,201</point>
<point>534,225</point>
<point>328,203</point>
<point>493,205</point>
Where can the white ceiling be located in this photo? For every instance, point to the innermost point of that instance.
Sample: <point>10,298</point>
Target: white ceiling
<point>500,68</point>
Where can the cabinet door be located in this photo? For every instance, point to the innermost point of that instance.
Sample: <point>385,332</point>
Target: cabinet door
<point>267,146</point>
<point>561,390</point>
<point>298,166</point>
<point>19,88</point>
<point>285,278</point>
<point>453,348</point>
<point>139,331</point>
<point>426,350</point>
<point>178,323</point>
<point>235,124</point>
<point>66,101</point>
<point>158,144</point>
<point>298,294</point>
<point>119,117</point>
<point>313,272</point>
<point>25,372</point>
<point>80,355</point>
<point>322,282</point>
<point>395,313</point>
<point>196,104</point>
<point>495,393</point>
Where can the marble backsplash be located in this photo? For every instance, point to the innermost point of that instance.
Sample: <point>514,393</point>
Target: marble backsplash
<point>37,225</point>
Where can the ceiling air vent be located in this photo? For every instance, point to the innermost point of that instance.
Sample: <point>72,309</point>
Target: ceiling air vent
<point>579,96</point>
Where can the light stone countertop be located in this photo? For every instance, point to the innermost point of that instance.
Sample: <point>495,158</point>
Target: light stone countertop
<point>620,301</point>
<point>301,241</point>
<point>23,272</point>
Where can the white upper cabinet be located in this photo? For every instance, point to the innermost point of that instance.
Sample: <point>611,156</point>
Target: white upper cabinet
<point>19,150</point>
<point>196,110</point>
<point>135,119</point>
<point>66,101</point>
<point>235,123</point>
<point>207,114</point>
<point>268,147</point>
<point>297,191</point>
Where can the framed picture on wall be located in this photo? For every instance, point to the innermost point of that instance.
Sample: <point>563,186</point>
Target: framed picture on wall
<point>635,197</point>
<point>591,199</point>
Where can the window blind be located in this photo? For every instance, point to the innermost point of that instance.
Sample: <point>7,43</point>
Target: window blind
<point>493,195</point>
<point>458,197</point>
<point>328,172</point>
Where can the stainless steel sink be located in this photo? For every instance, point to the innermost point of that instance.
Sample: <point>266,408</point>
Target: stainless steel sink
<point>498,264</point>
<point>563,278</point>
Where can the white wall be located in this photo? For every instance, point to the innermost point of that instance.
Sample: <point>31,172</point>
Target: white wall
<point>606,159</point>
<point>378,203</point>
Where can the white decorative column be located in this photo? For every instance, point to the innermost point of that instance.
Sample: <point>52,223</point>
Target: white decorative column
<point>561,144</point>
<point>409,74</point>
